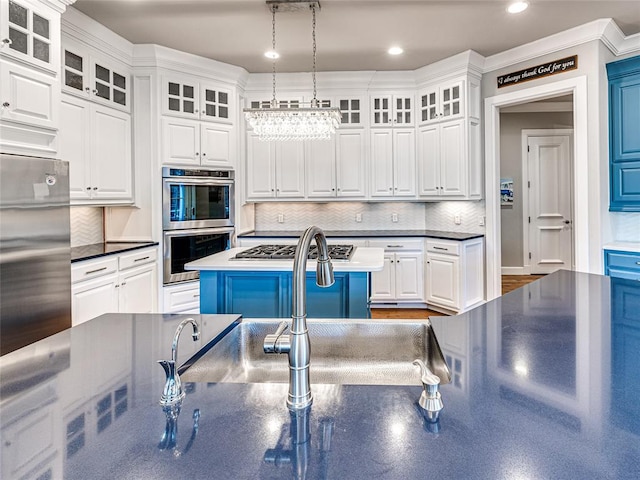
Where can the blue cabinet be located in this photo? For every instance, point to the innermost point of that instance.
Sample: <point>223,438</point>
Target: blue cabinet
<point>621,264</point>
<point>268,294</point>
<point>624,135</point>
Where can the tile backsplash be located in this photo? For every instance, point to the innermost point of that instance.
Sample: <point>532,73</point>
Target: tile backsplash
<point>373,216</point>
<point>626,227</point>
<point>87,226</point>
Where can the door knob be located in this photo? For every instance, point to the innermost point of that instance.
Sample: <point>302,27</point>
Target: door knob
<point>567,222</point>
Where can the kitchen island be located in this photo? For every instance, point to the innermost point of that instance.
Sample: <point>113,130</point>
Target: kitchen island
<point>262,287</point>
<point>544,385</point>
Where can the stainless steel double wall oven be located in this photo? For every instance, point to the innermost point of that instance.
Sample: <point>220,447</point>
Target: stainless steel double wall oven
<point>197,217</point>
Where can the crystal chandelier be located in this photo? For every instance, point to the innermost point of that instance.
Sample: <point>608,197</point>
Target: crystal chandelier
<point>311,122</point>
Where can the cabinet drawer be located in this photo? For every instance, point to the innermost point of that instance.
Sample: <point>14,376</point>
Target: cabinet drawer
<point>139,257</point>
<point>397,244</point>
<point>180,299</point>
<point>629,261</point>
<point>443,246</point>
<point>93,269</point>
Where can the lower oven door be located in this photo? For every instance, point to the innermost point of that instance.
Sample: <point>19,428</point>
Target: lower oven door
<point>184,246</point>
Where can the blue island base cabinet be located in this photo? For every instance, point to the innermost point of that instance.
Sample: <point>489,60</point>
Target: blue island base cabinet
<point>268,294</point>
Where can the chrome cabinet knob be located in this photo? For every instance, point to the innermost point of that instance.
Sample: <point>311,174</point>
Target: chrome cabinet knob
<point>7,41</point>
<point>6,104</point>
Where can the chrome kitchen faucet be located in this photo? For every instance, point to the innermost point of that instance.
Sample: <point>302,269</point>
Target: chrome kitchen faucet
<point>296,345</point>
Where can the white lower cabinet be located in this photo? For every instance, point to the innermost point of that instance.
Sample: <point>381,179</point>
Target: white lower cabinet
<point>402,278</point>
<point>455,273</point>
<point>181,298</point>
<point>125,283</point>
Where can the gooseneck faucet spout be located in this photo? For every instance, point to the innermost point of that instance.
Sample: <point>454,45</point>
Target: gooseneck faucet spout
<point>172,392</point>
<point>297,344</point>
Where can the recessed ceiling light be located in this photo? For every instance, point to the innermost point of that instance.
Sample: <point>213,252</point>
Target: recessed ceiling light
<point>517,7</point>
<point>395,51</point>
<point>272,54</point>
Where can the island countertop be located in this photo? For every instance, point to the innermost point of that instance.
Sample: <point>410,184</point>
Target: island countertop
<point>364,259</point>
<point>459,236</point>
<point>545,385</point>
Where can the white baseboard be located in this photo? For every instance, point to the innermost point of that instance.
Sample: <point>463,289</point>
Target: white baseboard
<point>515,271</point>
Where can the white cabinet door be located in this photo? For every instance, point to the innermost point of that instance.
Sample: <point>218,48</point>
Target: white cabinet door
<point>289,169</point>
<point>351,169</point>
<point>321,168</point>
<point>260,168</point>
<point>452,161</point>
<point>138,287</point>
<point>112,168</point>
<point>391,110</point>
<point>28,96</point>
<point>180,97</point>
<point>429,160</point>
<point>409,276</point>
<point>216,146</point>
<point>442,159</point>
<point>381,163</point>
<point>74,145</point>
<point>180,142</point>
<point>215,104</point>
<point>92,298</point>
<point>443,280</point>
<point>383,281</point>
<point>404,162</point>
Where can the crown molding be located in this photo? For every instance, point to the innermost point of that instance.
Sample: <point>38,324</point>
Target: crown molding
<point>151,55</point>
<point>85,29</point>
<point>603,29</point>
<point>467,62</point>
<point>58,5</point>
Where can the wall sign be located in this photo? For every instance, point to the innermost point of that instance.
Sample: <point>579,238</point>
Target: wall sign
<point>539,71</point>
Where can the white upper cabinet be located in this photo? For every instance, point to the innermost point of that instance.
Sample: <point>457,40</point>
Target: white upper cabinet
<point>189,98</point>
<point>353,110</point>
<point>391,110</point>
<point>188,142</point>
<point>393,162</point>
<point>96,141</point>
<point>441,102</point>
<point>442,160</point>
<point>89,75</point>
<point>30,33</point>
<point>275,170</point>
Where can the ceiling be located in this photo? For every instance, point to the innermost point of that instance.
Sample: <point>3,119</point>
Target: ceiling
<point>351,34</point>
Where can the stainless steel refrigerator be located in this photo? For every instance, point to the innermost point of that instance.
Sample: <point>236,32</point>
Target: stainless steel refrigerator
<point>35,250</point>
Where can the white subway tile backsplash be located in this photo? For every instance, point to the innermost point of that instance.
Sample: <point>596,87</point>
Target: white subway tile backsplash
<point>626,227</point>
<point>287,216</point>
<point>86,225</point>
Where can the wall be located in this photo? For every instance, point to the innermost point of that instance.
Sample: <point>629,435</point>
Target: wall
<point>511,126</point>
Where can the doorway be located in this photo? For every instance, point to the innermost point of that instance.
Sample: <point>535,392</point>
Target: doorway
<point>548,200</point>
<point>577,87</point>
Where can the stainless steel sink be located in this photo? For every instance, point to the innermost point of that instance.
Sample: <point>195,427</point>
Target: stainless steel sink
<point>346,352</point>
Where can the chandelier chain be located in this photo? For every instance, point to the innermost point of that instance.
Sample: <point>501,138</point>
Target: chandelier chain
<point>313,36</point>
<point>274,102</point>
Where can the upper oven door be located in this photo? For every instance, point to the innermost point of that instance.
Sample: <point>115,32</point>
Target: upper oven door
<point>196,203</point>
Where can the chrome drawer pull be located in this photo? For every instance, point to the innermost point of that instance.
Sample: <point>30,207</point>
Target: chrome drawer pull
<point>394,246</point>
<point>440,248</point>
<point>95,271</point>
<point>140,259</point>
<point>637,263</point>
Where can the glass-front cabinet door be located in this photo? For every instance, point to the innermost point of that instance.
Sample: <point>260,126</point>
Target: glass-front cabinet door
<point>391,110</point>
<point>89,76</point>
<point>429,105</point>
<point>381,113</point>
<point>351,111</point>
<point>180,98</point>
<point>441,102</point>
<point>215,104</point>
<point>30,32</point>
<point>451,97</point>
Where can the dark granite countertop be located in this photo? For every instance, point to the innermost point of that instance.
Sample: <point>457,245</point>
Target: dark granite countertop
<point>545,385</point>
<point>366,233</point>
<point>87,252</point>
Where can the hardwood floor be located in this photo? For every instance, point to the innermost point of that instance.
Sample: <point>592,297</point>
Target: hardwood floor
<point>509,283</point>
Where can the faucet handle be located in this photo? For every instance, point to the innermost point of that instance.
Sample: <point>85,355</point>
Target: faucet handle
<point>430,400</point>
<point>273,343</point>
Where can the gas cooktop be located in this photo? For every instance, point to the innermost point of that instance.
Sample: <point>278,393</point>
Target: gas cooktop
<point>284,252</point>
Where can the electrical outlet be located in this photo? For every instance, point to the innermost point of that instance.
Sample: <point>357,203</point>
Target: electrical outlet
<point>394,217</point>
<point>358,217</point>
<point>456,219</point>
<point>281,218</point>
<point>481,220</point>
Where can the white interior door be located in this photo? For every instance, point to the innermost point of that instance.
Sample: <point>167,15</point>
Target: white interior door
<point>550,208</point>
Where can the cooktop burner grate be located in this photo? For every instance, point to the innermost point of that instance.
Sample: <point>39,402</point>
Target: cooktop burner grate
<point>285,252</point>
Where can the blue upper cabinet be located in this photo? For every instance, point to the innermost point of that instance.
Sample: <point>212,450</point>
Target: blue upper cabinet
<point>624,134</point>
